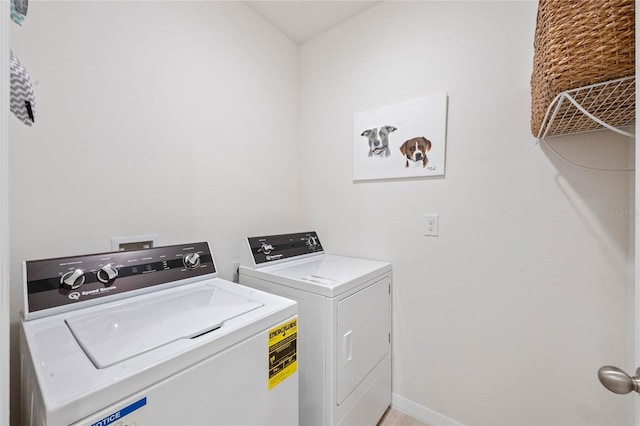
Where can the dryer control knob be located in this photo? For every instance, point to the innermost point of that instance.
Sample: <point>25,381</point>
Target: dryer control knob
<point>72,279</point>
<point>107,273</point>
<point>191,260</point>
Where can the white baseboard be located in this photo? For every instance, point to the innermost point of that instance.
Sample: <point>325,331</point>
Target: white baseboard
<point>419,412</point>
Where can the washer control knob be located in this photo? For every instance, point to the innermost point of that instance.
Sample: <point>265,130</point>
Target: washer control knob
<point>266,248</point>
<point>191,260</point>
<point>107,273</point>
<point>312,242</point>
<point>72,279</point>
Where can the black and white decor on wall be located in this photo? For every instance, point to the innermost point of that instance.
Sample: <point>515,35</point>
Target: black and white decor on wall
<point>402,140</point>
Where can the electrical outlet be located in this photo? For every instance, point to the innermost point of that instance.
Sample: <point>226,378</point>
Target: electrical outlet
<point>236,271</point>
<point>432,225</point>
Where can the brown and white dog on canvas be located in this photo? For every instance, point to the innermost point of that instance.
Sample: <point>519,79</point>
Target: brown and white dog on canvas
<point>416,149</point>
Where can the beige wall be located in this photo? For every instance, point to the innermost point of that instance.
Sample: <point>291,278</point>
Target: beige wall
<point>169,118</point>
<point>507,315</point>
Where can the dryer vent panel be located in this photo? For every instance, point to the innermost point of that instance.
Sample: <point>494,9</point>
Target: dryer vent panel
<point>138,242</point>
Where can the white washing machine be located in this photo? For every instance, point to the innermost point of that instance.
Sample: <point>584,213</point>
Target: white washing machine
<point>344,307</point>
<point>153,337</point>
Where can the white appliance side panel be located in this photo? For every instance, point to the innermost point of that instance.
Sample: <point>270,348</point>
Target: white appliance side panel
<point>31,397</point>
<point>230,388</point>
<point>312,322</point>
<point>363,339</point>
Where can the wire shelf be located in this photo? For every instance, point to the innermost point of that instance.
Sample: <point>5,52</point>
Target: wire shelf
<point>609,105</point>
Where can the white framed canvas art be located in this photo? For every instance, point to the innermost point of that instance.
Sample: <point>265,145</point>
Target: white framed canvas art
<point>403,140</point>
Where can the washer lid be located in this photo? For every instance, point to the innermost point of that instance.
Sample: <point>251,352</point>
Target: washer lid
<point>120,333</point>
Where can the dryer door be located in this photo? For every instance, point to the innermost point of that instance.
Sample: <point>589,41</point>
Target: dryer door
<point>364,322</point>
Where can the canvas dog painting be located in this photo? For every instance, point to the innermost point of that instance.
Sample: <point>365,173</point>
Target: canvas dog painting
<point>415,150</point>
<point>405,140</point>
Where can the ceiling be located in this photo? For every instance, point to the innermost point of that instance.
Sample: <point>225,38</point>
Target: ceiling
<point>304,19</point>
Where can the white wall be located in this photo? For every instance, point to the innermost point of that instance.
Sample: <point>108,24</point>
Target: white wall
<point>173,118</point>
<point>4,217</point>
<point>507,315</point>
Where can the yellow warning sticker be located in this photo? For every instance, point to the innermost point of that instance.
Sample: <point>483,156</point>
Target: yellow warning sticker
<point>283,352</point>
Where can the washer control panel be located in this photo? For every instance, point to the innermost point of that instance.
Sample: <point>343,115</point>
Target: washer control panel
<point>82,280</point>
<point>272,248</point>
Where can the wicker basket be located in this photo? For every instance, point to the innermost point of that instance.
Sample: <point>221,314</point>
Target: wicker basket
<point>578,43</point>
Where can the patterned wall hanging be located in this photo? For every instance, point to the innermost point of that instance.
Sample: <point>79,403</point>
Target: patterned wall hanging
<point>19,10</point>
<point>23,99</point>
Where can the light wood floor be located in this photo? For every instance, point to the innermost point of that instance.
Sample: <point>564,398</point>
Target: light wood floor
<point>396,418</point>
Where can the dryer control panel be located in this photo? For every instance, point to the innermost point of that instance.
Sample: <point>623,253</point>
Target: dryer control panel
<point>61,284</point>
<point>272,248</point>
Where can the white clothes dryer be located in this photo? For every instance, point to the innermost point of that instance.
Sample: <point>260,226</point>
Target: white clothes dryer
<point>344,307</point>
<point>153,337</point>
